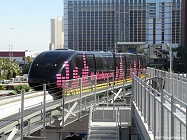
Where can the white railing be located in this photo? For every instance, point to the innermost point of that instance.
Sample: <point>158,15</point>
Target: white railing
<point>89,122</point>
<point>173,83</point>
<point>78,95</point>
<point>163,113</point>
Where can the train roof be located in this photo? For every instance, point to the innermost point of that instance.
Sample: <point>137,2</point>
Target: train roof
<point>73,52</point>
<point>80,52</point>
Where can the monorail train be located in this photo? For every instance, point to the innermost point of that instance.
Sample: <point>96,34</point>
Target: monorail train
<point>71,64</point>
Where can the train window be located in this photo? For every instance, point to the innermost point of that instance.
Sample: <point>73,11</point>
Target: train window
<point>73,63</point>
<point>141,61</point>
<point>128,61</point>
<point>132,60</point>
<point>144,61</point>
<point>110,63</point>
<point>79,61</point>
<point>46,61</point>
<point>105,65</point>
<point>99,63</point>
<point>117,61</point>
<point>123,62</point>
<point>90,61</point>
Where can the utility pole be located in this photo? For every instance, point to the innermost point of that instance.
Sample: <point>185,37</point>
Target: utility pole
<point>11,49</point>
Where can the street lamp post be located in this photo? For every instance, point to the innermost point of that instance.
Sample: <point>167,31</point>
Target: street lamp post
<point>169,48</point>
<point>171,75</point>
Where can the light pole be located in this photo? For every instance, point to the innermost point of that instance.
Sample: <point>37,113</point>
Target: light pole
<point>171,76</point>
<point>169,48</point>
<point>11,49</point>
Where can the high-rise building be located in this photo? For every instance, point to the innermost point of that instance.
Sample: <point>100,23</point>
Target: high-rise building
<point>163,22</point>
<point>184,23</point>
<point>101,24</point>
<point>57,33</point>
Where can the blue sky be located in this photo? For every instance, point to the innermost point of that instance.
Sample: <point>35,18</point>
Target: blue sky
<point>30,20</point>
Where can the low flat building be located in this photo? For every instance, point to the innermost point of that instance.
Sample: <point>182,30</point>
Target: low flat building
<point>18,55</point>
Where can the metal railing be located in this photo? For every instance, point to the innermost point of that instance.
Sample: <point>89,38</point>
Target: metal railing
<point>173,83</point>
<point>163,112</point>
<point>78,95</point>
<point>117,115</point>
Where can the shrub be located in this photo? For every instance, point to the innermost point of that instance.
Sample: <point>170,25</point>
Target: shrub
<point>18,88</point>
<point>2,87</point>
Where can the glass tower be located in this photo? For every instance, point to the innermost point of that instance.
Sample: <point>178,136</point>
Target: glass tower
<point>97,25</point>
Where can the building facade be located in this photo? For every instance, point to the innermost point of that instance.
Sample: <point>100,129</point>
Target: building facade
<point>57,34</point>
<point>18,55</point>
<point>184,22</point>
<point>98,25</point>
<point>163,24</point>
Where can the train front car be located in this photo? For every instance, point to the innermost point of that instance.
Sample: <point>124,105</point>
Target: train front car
<point>45,68</point>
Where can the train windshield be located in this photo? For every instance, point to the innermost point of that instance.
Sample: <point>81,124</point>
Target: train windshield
<point>49,59</point>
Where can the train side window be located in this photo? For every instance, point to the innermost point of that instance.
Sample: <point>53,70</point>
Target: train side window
<point>99,63</point>
<point>105,65</point>
<point>90,61</point>
<point>73,63</point>
<point>144,61</point>
<point>132,60</point>
<point>140,60</point>
<point>124,62</point>
<point>79,61</point>
<point>128,62</point>
<point>118,61</point>
<point>110,63</point>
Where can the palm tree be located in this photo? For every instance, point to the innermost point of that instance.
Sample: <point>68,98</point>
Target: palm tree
<point>10,70</point>
<point>16,70</point>
<point>27,66</point>
<point>24,59</point>
<point>29,59</point>
<point>15,61</point>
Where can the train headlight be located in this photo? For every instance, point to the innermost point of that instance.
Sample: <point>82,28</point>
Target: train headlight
<point>55,65</point>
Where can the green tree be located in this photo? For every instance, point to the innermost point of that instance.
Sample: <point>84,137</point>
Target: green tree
<point>29,59</point>
<point>181,51</point>
<point>181,54</point>
<point>27,66</point>
<point>9,69</point>
<point>24,60</point>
